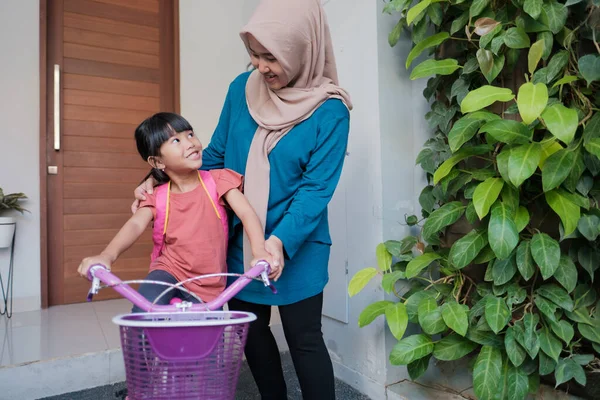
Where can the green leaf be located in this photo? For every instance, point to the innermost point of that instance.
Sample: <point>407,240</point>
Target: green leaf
<point>584,296</point>
<point>589,226</point>
<point>525,260</point>
<point>568,369</point>
<point>486,194</point>
<point>583,359</point>
<point>410,349</point>
<point>412,304</point>
<point>384,258</point>
<point>430,317</point>
<point>502,231</point>
<point>462,131</point>
<point>549,147</point>
<point>548,39</point>
<point>563,330</point>
<point>497,313</point>
<point>434,67</point>
<point>508,131</point>
<point>546,364</point>
<point>589,258</point>
<point>516,38</point>
<point>418,367</point>
<point>464,250</point>
<point>521,218</point>
<point>518,383</point>
<point>397,319</point>
<point>360,280</point>
<point>561,122</point>
<point>395,33</point>
<point>591,333</point>
<point>592,128</point>
<point>435,13</point>
<point>532,100</point>
<point>523,161</point>
<point>550,344</point>
<point>546,253</point>
<point>446,215</point>
<point>455,317</point>
<point>554,16</point>
<point>565,79</point>
<point>459,23</point>
<point>580,315</point>
<point>531,341</point>
<point>533,8</point>
<point>566,210</point>
<point>589,67</point>
<point>557,295</point>
<point>593,146</point>
<point>429,42</point>
<point>444,169</point>
<point>389,280</point>
<point>566,273</point>
<point>487,373</point>
<point>477,6</point>
<point>556,169</point>
<point>484,338</point>
<point>483,97</point>
<point>502,390</point>
<point>417,264</point>
<point>515,352</point>
<point>372,311</point>
<point>453,347</point>
<point>415,11</point>
<point>537,49</point>
<point>534,383</point>
<point>546,307</point>
<point>486,60</point>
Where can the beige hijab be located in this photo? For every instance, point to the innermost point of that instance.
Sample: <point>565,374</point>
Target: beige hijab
<point>297,34</point>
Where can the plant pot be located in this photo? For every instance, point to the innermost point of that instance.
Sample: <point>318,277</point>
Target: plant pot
<point>7,230</point>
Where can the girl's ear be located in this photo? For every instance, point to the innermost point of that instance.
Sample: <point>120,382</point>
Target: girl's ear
<point>156,162</point>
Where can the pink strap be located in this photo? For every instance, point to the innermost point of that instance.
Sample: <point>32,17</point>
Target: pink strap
<point>211,186</point>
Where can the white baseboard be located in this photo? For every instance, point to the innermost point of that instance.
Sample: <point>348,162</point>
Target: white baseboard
<point>375,390</point>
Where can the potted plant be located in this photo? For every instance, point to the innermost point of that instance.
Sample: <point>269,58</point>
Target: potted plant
<point>504,268</point>
<point>7,224</point>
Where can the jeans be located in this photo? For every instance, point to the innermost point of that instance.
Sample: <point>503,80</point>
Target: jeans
<point>151,291</point>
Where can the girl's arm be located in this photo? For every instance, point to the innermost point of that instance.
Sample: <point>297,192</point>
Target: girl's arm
<point>129,233</point>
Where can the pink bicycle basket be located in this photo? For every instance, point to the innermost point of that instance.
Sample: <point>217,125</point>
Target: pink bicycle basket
<point>186,355</point>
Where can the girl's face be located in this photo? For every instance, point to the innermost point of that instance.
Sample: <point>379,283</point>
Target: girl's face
<point>267,65</point>
<point>181,153</point>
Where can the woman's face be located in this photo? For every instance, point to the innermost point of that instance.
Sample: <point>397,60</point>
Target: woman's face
<point>266,64</point>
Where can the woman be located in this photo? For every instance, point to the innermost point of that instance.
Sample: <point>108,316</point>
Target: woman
<point>285,127</point>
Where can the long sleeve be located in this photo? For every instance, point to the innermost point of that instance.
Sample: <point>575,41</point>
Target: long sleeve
<point>317,186</point>
<point>213,156</point>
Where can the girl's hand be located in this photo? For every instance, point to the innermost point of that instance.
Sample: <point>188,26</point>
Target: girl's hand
<point>89,261</point>
<point>138,193</point>
<point>275,248</point>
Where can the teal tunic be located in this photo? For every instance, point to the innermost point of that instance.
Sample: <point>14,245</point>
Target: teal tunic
<point>305,168</point>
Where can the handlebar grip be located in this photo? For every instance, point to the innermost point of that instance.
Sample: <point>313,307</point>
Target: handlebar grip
<point>90,272</point>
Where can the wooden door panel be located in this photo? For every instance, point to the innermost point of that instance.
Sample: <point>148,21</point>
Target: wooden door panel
<point>108,85</point>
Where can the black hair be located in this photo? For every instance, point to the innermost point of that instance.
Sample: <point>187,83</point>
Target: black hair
<point>155,131</point>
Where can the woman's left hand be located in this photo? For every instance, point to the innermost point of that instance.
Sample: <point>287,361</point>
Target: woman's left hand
<point>275,247</point>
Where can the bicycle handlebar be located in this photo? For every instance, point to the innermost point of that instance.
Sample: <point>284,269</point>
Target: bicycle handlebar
<point>98,273</point>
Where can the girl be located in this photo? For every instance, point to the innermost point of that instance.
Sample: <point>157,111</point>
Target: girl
<point>195,237</point>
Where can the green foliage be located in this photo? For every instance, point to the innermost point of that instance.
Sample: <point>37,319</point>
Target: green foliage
<point>514,163</point>
<point>11,202</point>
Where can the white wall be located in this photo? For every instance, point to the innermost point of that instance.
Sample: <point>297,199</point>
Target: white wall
<point>19,141</point>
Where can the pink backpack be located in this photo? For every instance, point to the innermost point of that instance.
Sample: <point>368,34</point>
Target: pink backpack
<point>162,210</point>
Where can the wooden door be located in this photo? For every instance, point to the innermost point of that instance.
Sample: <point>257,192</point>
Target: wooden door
<point>113,62</point>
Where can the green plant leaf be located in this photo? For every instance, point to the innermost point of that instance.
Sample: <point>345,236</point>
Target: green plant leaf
<point>430,67</point>
<point>486,194</point>
<point>565,80</point>
<point>589,67</point>
<point>397,319</point>
<point>589,258</point>
<point>531,341</point>
<point>532,100</point>
<point>502,390</point>
<point>462,131</point>
<point>429,42</point>
<point>548,148</point>
<point>384,258</point>
<point>591,333</point>
<point>592,128</point>
<point>483,97</point>
<point>557,295</point>
<point>593,146</point>
<point>536,51</point>
<point>515,352</point>
<point>516,38</point>
<point>563,330</point>
<point>486,60</point>
<point>455,317</point>
<point>444,169</point>
<point>518,383</point>
<point>589,226</point>
<point>497,313</point>
<point>459,23</point>
<point>464,250</point>
<point>360,280</point>
<point>566,273</point>
<point>508,131</point>
<point>412,304</point>
<point>546,253</point>
<point>487,373</point>
<point>556,169</point>
<point>430,317</point>
<point>410,349</point>
<point>453,347</point>
<point>498,64</point>
<point>417,264</point>
<point>567,211</point>
<point>584,296</point>
<point>546,364</point>
<point>521,218</point>
<point>503,270</point>
<point>389,280</point>
<point>415,11</point>
<point>525,260</point>
<point>546,307</point>
<point>561,122</point>
<point>550,344</point>
<point>394,35</point>
<point>523,162</point>
<point>484,337</point>
<point>568,369</point>
<point>372,311</point>
<point>583,359</point>
<point>533,8</point>
<point>502,231</point>
<point>548,40</point>
<point>510,197</point>
<point>446,215</point>
<point>580,315</point>
<point>477,6</point>
<point>554,16</point>
<point>418,367</point>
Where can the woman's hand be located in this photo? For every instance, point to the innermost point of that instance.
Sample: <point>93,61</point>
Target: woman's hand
<point>275,248</point>
<point>138,193</point>
<point>89,261</point>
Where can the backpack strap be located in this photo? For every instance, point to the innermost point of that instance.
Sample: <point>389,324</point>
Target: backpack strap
<point>159,227</point>
<point>210,186</point>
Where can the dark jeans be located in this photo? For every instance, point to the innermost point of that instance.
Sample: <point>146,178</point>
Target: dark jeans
<point>302,327</point>
<point>151,291</point>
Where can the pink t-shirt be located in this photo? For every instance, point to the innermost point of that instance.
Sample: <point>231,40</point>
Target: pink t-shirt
<point>195,243</point>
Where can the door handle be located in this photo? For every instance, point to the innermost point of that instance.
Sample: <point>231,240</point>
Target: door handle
<point>56,107</point>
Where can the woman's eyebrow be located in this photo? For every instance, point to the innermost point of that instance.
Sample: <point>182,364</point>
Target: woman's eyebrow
<point>256,52</point>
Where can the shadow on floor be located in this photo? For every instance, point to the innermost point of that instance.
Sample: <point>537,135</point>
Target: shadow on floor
<point>246,389</point>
